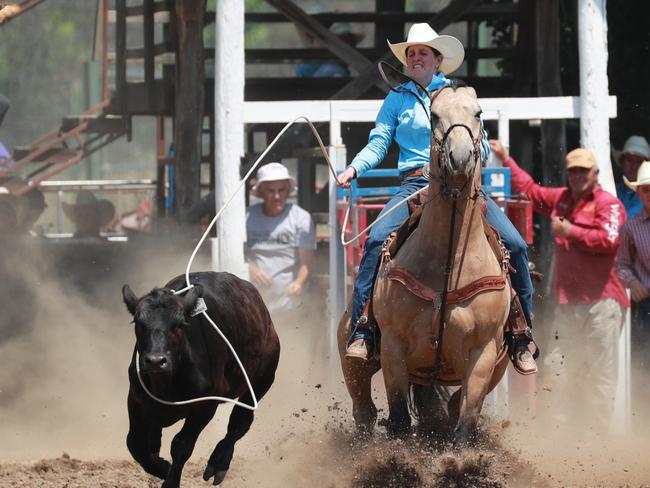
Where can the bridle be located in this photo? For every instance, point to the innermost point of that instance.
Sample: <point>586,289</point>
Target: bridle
<point>439,155</point>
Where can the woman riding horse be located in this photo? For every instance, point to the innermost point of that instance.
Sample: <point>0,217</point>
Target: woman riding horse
<point>429,57</point>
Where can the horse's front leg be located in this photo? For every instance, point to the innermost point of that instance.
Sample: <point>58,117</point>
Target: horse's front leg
<point>396,379</point>
<point>358,380</point>
<point>480,367</point>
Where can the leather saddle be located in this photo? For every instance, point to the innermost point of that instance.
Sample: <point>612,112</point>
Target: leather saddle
<point>515,325</point>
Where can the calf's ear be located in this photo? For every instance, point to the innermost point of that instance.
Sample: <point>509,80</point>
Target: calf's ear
<point>190,298</point>
<point>130,299</point>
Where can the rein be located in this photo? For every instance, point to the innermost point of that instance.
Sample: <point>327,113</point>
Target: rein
<point>445,291</point>
<point>439,152</point>
<point>401,89</point>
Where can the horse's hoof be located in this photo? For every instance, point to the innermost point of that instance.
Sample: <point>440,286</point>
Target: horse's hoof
<point>465,441</point>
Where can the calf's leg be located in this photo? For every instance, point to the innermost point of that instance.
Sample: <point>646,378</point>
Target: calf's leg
<point>183,442</point>
<point>143,441</point>
<point>239,423</point>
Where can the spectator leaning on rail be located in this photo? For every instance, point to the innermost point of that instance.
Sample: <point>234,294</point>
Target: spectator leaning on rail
<point>89,214</point>
<point>591,301</point>
<point>633,268</point>
<point>428,58</point>
<point>635,151</point>
<point>281,240</point>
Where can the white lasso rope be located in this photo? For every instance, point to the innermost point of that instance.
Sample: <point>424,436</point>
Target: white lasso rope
<point>190,285</point>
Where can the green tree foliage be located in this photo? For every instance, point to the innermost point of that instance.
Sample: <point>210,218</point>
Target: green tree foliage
<point>42,55</point>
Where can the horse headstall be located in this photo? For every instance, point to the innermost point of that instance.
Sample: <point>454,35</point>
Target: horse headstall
<point>439,157</point>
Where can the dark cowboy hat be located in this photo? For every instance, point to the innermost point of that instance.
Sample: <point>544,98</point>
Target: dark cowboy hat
<point>26,208</point>
<point>88,206</point>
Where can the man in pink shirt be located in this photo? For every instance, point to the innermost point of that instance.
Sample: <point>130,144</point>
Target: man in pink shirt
<point>591,301</point>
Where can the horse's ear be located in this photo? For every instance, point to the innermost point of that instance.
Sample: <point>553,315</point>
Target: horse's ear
<point>130,299</point>
<point>190,298</point>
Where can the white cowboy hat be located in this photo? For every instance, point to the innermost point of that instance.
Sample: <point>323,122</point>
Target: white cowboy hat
<point>642,177</point>
<point>451,48</point>
<point>638,146</point>
<point>273,172</point>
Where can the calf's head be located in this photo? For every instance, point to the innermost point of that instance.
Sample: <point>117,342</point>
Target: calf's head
<point>160,318</point>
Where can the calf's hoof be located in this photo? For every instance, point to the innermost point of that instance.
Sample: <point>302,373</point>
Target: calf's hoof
<point>160,468</point>
<point>219,476</point>
<point>170,484</point>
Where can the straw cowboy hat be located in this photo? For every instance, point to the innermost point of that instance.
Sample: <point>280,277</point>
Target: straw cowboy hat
<point>273,172</point>
<point>642,177</point>
<point>87,209</point>
<point>451,48</point>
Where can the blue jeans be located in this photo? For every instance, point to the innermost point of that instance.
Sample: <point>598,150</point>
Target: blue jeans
<point>518,249</point>
<point>369,265</point>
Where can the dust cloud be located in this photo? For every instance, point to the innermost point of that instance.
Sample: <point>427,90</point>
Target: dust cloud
<point>63,381</point>
<point>65,350</point>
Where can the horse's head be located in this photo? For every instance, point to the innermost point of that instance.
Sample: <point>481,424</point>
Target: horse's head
<point>456,135</point>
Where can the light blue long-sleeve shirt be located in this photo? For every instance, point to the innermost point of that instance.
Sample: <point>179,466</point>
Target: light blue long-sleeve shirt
<point>403,118</point>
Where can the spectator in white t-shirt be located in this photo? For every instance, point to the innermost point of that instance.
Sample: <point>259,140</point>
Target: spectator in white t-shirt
<point>281,240</point>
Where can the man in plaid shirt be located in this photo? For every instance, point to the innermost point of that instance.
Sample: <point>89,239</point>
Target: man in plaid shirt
<point>591,301</point>
<point>633,268</point>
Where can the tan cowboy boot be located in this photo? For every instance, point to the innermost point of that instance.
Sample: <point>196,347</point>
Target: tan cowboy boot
<point>357,350</point>
<point>360,347</point>
<point>524,361</point>
<point>523,349</point>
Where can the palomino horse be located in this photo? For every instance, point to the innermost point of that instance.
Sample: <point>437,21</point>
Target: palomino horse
<point>445,268</point>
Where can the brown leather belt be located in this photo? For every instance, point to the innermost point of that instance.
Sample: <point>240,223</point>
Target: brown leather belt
<point>414,172</point>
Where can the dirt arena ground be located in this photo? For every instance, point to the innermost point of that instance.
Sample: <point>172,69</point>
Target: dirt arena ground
<point>63,420</point>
